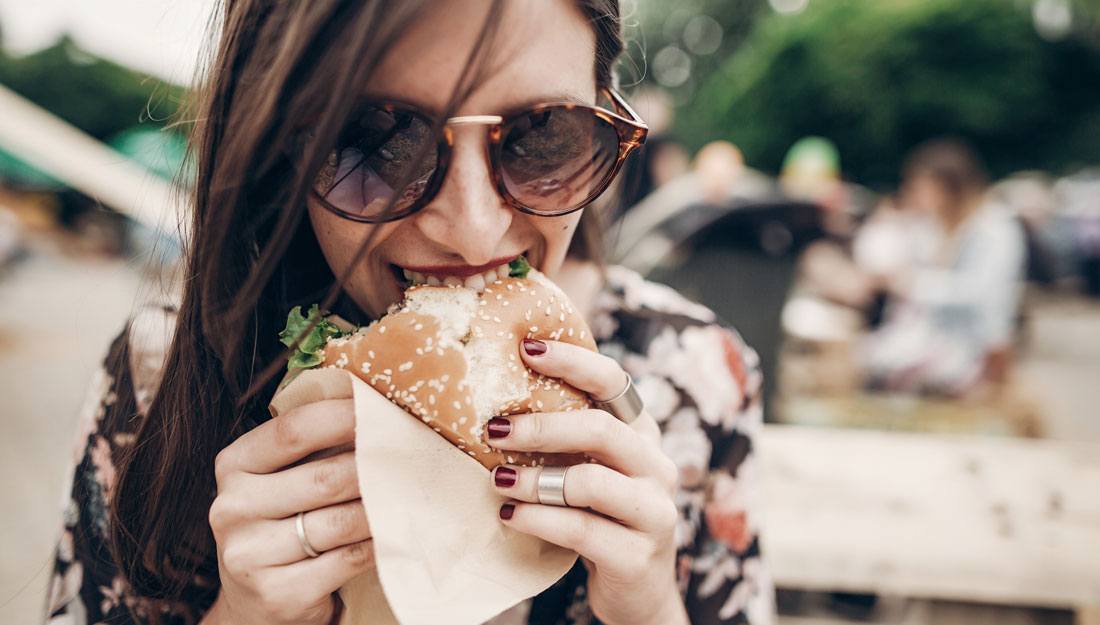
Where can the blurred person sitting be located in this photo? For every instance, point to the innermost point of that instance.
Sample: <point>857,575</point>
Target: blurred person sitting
<point>951,314</point>
<point>811,171</point>
<point>718,177</point>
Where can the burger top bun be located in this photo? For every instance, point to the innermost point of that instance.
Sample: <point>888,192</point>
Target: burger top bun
<point>450,356</point>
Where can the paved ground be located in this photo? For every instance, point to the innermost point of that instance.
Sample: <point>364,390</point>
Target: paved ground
<point>57,313</point>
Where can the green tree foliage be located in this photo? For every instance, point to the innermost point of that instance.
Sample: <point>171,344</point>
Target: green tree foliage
<point>97,96</point>
<point>879,76</point>
<point>660,23</point>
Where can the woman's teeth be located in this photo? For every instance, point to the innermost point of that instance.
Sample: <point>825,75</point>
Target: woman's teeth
<point>476,282</point>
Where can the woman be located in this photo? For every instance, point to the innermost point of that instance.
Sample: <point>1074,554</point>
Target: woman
<point>953,309</point>
<point>302,143</point>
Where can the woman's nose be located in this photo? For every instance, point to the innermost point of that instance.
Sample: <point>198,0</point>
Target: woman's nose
<point>468,217</point>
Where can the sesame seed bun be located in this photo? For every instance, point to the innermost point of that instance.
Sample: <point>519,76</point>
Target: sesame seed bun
<point>450,356</point>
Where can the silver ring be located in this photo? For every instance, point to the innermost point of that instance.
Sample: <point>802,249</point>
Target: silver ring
<point>551,486</point>
<point>300,527</point>
<point>626,406</point>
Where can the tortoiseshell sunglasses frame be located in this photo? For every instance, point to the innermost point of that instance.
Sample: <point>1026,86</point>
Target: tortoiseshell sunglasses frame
<point>629,127</point>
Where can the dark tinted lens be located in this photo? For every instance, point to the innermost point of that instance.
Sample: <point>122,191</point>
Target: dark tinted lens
<point>554,159</point>
<point>374,153</point>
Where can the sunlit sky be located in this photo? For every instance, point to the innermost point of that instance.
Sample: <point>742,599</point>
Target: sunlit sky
<point>161,37</point>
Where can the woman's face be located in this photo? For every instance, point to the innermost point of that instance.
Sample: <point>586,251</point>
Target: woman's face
<point>544,51</point>
<point>925,194</point>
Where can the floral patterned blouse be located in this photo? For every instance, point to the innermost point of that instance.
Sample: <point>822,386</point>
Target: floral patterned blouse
<point>697,378</point>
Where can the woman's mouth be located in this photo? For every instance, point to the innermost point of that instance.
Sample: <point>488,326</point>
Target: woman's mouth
<point>457,276</point>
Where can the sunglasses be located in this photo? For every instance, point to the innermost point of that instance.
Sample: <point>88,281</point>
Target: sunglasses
<point>549,159</point>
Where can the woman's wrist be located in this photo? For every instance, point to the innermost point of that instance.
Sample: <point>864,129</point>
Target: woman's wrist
<point>672,612</point>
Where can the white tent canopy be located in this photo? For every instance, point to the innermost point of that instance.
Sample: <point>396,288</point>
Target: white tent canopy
<point>68,154</point>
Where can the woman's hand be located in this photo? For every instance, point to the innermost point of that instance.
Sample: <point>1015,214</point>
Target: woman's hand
<point>266,575</point>
<point>621,517</point>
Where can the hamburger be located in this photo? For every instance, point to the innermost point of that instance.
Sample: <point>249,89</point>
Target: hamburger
<point>449,356</point>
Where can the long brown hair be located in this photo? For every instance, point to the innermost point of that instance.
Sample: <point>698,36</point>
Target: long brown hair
<point>252,255</point>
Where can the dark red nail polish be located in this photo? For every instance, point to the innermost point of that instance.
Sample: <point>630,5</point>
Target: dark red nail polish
<point>499,427</point>
<point>505,477</point>
<point>534,347</point>
<point>507,510</point>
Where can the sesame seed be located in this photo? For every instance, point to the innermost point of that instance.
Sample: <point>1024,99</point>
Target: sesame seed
<point>370,354</point>
<point>534,328</point>
<point>431,399</point>
<point>381,329</point>
<point>419,326</point>
<point>457,406</point>
<point>548,311</point>
<point>405,366</point>
<point>570,331</point>
<point>387,372</point>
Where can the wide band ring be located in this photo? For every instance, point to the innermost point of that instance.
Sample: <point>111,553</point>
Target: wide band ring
<point>300,529</point>
<point>551,486</point>
<point>626,406</point>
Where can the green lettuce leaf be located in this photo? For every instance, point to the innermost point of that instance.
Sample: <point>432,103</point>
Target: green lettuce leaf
<point>518,268</point>
<point>310,352</point>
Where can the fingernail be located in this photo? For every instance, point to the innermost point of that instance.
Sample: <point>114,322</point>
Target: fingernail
<point>507,510</point>
<point>505,477</point>
<point>534,347</point>
<point>499,427</point>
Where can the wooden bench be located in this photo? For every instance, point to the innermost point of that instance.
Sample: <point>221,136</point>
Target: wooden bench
<point>994,520</point>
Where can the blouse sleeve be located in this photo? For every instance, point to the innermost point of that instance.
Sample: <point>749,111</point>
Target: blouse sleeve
<point>705,393</point>
<point>86,585</point>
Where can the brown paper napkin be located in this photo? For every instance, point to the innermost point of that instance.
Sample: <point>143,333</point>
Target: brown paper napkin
<point>442,555</point>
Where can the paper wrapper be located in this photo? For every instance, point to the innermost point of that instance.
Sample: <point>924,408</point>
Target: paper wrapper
<point>441,553</point>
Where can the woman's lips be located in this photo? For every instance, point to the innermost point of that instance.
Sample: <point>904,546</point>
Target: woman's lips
<point>476,278</point>
<point>459,271</point>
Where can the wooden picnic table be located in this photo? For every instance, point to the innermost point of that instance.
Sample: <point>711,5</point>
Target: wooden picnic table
<point>995,519</point>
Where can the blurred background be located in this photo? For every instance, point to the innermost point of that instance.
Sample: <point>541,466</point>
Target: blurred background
<point>897,202</point>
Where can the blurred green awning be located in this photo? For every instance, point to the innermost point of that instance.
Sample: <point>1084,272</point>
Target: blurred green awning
<point>159,151</point>
<point>17,172</point>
